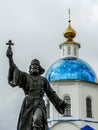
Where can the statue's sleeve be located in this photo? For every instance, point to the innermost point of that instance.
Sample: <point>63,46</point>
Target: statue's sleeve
<point>16,77</point>
<point>54,98</point>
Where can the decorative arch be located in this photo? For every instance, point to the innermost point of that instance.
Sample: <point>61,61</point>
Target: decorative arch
<point>65,126</point>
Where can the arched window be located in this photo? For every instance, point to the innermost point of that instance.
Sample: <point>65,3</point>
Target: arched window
<point>67,110</point>
<point>48,108</point>
<point>88,107</point>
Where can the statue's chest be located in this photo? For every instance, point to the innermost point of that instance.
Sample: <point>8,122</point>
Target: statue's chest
<point>35,86</point>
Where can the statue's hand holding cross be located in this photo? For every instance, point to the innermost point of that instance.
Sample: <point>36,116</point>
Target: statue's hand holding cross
<point>9,52</point>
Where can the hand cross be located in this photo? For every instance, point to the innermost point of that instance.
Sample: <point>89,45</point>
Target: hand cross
<point>9,44</point>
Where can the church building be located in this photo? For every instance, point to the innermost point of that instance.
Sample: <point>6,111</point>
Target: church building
<point>74,81</point>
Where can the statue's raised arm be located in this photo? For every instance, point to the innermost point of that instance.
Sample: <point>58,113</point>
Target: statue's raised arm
<point>12,66</point>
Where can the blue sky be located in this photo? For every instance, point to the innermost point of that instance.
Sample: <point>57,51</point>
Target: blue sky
<point>36,28</point>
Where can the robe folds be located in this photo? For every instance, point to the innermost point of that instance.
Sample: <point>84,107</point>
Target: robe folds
<point>34,92</point>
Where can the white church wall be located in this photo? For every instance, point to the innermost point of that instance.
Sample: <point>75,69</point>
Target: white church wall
<point>88,90</point>
<point>70,89</point>
<point>78,92</point>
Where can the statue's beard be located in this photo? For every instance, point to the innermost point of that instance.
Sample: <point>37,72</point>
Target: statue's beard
<point>34,71</point>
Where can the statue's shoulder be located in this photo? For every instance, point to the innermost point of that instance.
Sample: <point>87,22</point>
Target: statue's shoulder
<point>25,74</point>
<point>44,79</point>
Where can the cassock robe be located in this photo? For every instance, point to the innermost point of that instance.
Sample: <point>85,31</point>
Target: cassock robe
<point>34,92</point>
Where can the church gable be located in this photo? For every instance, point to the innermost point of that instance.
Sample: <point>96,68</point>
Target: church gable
<point>87,128</point>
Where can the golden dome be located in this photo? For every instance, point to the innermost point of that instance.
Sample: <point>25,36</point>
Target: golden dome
<point>69,33</point>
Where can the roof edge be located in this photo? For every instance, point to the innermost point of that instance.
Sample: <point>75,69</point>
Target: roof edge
<point>83,81</point>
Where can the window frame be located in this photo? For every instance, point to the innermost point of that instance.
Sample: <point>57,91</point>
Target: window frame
<point>67,99</point>
<point>88,107</point>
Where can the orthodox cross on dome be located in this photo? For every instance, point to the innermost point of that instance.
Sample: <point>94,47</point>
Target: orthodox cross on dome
<point>69,14</point>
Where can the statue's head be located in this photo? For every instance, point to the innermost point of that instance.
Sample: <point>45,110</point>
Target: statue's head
<point>35,67</point>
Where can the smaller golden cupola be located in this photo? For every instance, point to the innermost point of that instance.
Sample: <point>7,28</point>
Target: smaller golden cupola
<point>69,33</point>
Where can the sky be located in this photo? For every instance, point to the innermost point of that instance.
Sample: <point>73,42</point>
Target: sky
<point>36,28</point>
